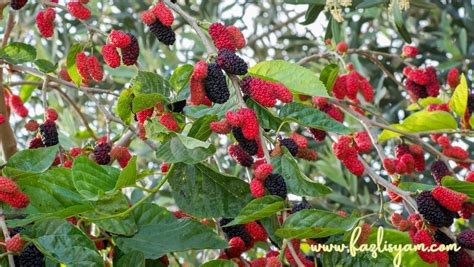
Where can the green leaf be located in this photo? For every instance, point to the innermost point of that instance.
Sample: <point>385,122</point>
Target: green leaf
<point>62,241</point>
<point>151,83</point>
<point>219,263</point>
<point>471,121</point>
<point>423,4</point>
<point>157,228</point>
<point>315,224</point>
<point>458,102</point>
<point>328,75</point>
<point>296,182</point>
<point>154,128</point>
<point>463,40</point>
<point>124,105</point>
<point>258,209</point>
<point>45,66</point>
<point>371,3</point>
<point>413,187</point>
<point>33,160</point>
<point>202,192</point>
<point>71,63</point>
<point>184,149</point>
<point>265,116</point>
<point>424,102</point>
<point>459,186</point>
<point>18,53</point>
<point>311,117</point>
<point>399,21</point>
<point>144,101</point>
<point>180,76</point>
<point>361,259</point>
<point>312,14</point>
<point>422,121</point>
<point>133,258</point>
<point>27,89</point>
<point>91,180</point>
<point>298,79</point>
<point>200,129</point>
<point>128,175</point>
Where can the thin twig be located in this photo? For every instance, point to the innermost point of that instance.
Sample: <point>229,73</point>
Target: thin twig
<point>6,235</point>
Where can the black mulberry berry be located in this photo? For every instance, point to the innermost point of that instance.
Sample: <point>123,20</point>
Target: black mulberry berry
<point>466,239</point>
<point>18,4</point>
<point>439,170</point>
<point>275,184</point>
<point>131,52</point>
<point>235,231</point>
<point>49,133</point>
<point>102,153</point>
<point>163,34</point>
<point>177,106</point>
<point>230,62</point>
<point>30,257</point>
<point>432,211</point>
<point>239,154</point>
<point>318,135</point>
<point>245,85</point>
<point>250,146</point>
<point>303,205</point>
<point>291,145</point>
<point>470,104</point>
<point>215,84</point>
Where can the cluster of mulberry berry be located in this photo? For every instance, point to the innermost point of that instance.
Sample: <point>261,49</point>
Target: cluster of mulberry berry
<point>456,258</point>
<point>433,211</point>
<point>328,108</point>
<point>128,44</point>
<point>424,237</point>
<point>241,237</point>
<point>230,62</point>
<point>45,22</point>
<point>453,78</point>
<point>229,37</point>
<point>208,84</point>
<point>408,158</point>
<point>449,150</point>
<point>89,67</point>
<point>348,85</point>
<point>10,194</point>
<point>159,18</point>
<point>78,9</point>
<point>347,149</point>
<point>265,93</point>
<point>421,83</point>
<point>264,179</point>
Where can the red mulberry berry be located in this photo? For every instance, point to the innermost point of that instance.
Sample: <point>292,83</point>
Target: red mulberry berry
<point>242,157</point>
<point>237,242</point>
<point>443,141</point>
<point>250,128</point>
<point>235,231</point>
<point>51,114</point>
<point>35,143</point>
<point>394,197</point>
<point>63,74</point>
<point>18,4</point>
<point>147,17</point>
<point>409,51</point>
<point>362,141</point>
<point>418,76</point>
<point>409,162</point>
<point>17,106</point>
<point>419,163</point>
<point>335,113</point>
<point>300,140</point>
<point>45,22</point>
<point>366,90</point>
<point>401,150</point>
<point>341,47</point>
<point>119,39</point>
<point>16,199</point>
<point>168,120</point>
<point>424,237</point>
<point>94,69</point>
<point>416,149</point>
<point>466,239</point>
<point>198,93</point>
<point>453,78</point>
<point>439,170</point>
<point>111,56</point>
<point>75,151</point>
<point>31,125</point>
<point>275,184</point>
<point>432,211</point>
<point>68,164</point>
<point>248,145</point>
<point>291,145</point>
<point>364,234</point>
<point>257,188</point>
<point>7,185</point>
<point>15,243</point>
<point>396,218</point>
<point>164,167</point>
<point>236,36</point>
<point>455,152</point>
<point>49,133</point>
<point>343,149</point>
<point>200,70</point>
<point>131,52</point>
<point>307,154</point>
<point>163,33</point>
<point>352,84</point>
<point>82,66</point>
<point>2,119</point>
<point>354,165</point>
<point>216,85</point>
<point>415,90</point>
<point>231,63</point>
<point>121,154</point>
<point>221,37</point>
<point>449,199</point>
<point>163,13</point>
<point>220,127</point>
<point>102,153</point>
<point>143,115</point>
<point>282,93</point>
<point>262,171</point>
<point>256,232</point>
<point>339,88</point>
<point>78,10</point>
<point>318,135</point>
<point>470,177</point>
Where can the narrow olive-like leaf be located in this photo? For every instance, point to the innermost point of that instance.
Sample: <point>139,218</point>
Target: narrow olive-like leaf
<point>18,53</point>
<point>203,192</point>
<point>180,76</point>
<point>45,66</point>
<point>459,186</point>
<point>265,117</point>
<point>184,149</point>
<point>128,175</point>
<point>124,105</point>
<point>298,79</point>
<point>371,3</point>
<point>399,21</point>
<point>311,117</point>
<point>71,63</point>
<point>328,75</point>
<point>312,14</point>
<point>258,209</point>
<point>315,224</point>
<point>65,243</point>
<point>219,263</point>
<point>413,187</point>
<point>296,182</point>
<point>201,129</point>
<point>91,180</point>
<point>132,258</point>
<point>423,4</point>
<point>33,160</point>
<point>149,83</point>
<point>458,102</point>
<point>463,40</point>
<point>424,102</point>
